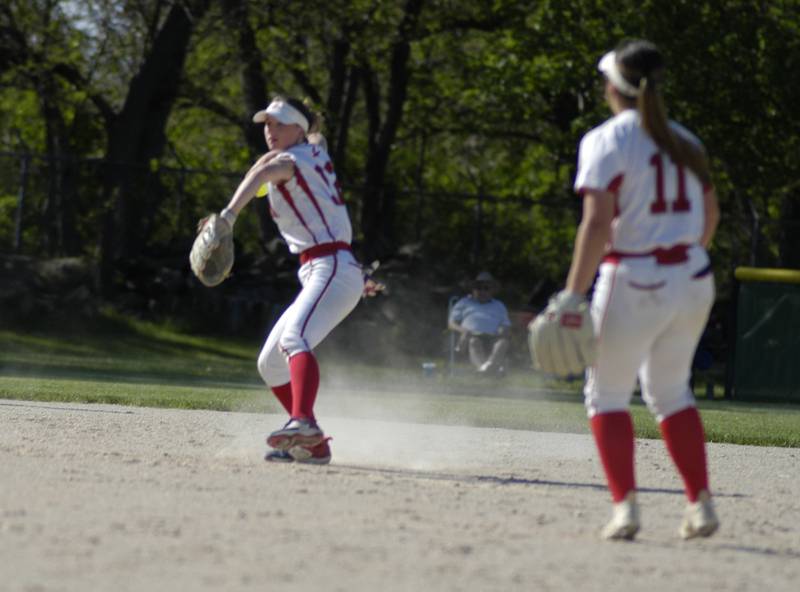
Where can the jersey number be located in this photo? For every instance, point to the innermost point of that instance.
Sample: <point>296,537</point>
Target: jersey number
<point>660,205</point>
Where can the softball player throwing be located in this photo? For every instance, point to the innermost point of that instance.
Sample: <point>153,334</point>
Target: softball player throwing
<point>649,212</point>
<point>306,203</point>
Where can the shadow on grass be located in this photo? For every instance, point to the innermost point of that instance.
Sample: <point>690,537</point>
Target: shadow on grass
<point>113,334</point>
<point>89,373</point>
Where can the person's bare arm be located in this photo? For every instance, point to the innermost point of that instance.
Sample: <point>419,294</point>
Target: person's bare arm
<point>594,233</point>
<point>270,168</point>
<point>711,209</point>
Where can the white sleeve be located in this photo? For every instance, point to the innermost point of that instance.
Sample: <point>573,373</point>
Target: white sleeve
<point>598,162</point>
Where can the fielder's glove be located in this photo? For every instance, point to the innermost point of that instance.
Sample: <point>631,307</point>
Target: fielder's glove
<point>211,257</point>
<point>561,338</point>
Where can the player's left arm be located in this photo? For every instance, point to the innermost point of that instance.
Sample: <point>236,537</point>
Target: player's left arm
<point>712,215</point>
<point>594,233</point>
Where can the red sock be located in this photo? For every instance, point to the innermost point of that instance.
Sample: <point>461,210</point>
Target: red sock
<point>613,434</point>
<point>683,434</point>
<point>305,382</point>
<point>284,394</point>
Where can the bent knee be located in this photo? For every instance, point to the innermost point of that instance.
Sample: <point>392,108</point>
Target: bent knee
<point>273,370</point>
<point>605,401</point>
<point>664,402</point>
<point>292,343</point>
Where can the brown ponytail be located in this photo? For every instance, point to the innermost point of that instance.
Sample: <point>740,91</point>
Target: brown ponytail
<point>641,63</point>
<point>654,120</point>
<point>314,119</point>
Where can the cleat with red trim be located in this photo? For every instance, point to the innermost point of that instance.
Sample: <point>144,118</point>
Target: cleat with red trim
<point>312,455</point>
<point>296,432</point>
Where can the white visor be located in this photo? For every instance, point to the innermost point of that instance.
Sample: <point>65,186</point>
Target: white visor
<point>608,66</point>
<point>283,112</point>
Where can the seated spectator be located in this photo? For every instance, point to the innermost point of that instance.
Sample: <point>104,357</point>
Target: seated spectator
<point>483,324</point>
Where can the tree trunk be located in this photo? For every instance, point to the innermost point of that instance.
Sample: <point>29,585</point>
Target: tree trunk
<point>136,136</point>
<point>60,236</point>
<point>377,218</point>
<point>254,88</point>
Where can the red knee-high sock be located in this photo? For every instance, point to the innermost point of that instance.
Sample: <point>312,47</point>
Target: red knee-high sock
<point>284,394</point>
<point>305,382</point>
<point>683,434</point>
<point>613,434</point>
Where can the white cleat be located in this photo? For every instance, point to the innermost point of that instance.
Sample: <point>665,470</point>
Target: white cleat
<point>699,519</point>
<point>624,523</point>
<point>296,432</point>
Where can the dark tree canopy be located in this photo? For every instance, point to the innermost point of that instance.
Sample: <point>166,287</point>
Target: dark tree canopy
<point>454,125</point>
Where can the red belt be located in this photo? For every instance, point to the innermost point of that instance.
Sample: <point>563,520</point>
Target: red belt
<point>670,256</point>
<point>322,250</point>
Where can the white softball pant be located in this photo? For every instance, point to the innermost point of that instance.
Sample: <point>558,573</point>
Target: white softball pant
<point>331,288</point>
<point>649,318</point>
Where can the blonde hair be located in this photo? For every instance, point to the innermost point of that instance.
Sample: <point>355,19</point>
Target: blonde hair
<point>642,65</point>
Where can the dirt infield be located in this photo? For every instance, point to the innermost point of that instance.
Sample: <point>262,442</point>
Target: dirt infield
<point>114,498</point>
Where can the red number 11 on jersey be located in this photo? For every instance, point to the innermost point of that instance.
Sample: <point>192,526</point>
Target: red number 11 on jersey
<point>680,203</point>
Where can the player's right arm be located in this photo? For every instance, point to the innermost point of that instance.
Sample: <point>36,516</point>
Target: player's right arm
<point>594,233</point>
<point>270,168</point>
<point>263,160</point>
<point>711,219</point>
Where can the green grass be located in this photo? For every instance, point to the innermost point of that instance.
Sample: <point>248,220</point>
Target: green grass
<point>128,362</point>
<point>122,347</point>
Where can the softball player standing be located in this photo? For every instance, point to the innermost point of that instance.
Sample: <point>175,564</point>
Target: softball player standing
<point>306,203</point>
<point>649,212</point>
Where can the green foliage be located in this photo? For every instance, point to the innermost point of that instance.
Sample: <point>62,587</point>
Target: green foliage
<point>498,96</point>
<point>8,206</point>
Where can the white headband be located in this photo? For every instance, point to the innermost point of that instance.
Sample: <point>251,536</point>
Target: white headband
<point>608,66</point>
<point>283,112</point>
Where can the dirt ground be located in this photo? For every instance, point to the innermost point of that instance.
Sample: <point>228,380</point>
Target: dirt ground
<point>96,497</point>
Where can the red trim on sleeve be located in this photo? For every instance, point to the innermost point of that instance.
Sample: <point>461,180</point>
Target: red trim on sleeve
<point>613,186</point>
<point>615,183</point>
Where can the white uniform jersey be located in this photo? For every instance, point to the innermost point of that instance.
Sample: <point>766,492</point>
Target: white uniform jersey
<point>648,312</point>
<point>308,208</point>
<point>658,204</point>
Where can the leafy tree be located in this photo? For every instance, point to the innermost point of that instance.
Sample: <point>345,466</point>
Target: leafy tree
<point>453,124</point>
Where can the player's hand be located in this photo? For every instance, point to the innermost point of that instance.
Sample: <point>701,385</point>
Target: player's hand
<point>372,288</point>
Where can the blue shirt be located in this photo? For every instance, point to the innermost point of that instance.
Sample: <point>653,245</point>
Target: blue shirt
<point>480,317</point>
